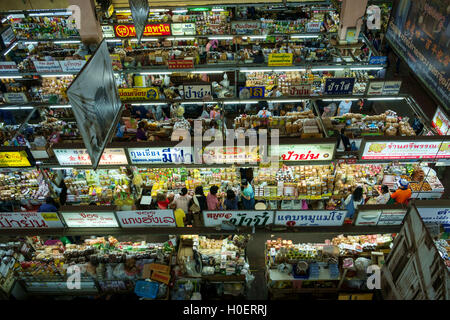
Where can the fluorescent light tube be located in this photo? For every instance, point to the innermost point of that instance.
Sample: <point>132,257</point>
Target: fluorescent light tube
<point>181,38</point>
<point>287,101</point>
<point>387,98</point>
<point>154,73</point>
<point>287,70</point>
<point>220,38</point>
<point>30,42</point>
<point>12,47</point>
<point>309,36</point>
<point>11,77</point>
<point>67,41</point>
<point>149,104</point>
<point>241,102</point>
<point>256,70</point>
<point>255,37</point>
<point>350,99</point>
<point>207,71</point>
<point>366,68</point>
<point>16,108</point>
<point>144,40</point>
<point>113,40</point>
<point>63,106</point>
<point>180,11</point>
<point>328,69</point>
<point>56,75</point>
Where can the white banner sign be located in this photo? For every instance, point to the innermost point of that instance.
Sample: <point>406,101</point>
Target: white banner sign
<point>305,152</point>
<point>72,65</point>
<point>391,217</point>
<point>238,218</point>
<point>367,218</point>
<point>183,29</point>
<point>160,155</point>
<point>147,218</point>
<point>435,215</point>
<point>313,26</point>
<point>8,66</point>
<point>80,157</point>
<point>386,150</point>
<point>15,97</point>
<point>197,91</point>
<point>307,218</point>
<point>245,27</point>
<point>440,122</point>
<point>90,219</point>
<point>375,88</point>
<point>391,87</point>
<point>47,66</point>
<point>29,220</point>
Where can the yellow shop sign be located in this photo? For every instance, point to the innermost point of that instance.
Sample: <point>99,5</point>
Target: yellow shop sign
<point>14,159</point>
<point>151,93</point>
<point>280,59</point>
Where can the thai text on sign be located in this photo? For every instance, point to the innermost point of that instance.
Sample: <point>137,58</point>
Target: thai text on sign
<point>128,30</point>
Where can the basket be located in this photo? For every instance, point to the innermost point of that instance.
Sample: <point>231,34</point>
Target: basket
<point>146,289</point>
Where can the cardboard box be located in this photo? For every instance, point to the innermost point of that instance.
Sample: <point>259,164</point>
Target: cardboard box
<point>159,268</point>
<point>160,277</point>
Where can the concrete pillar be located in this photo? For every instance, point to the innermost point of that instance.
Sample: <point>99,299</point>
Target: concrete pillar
<point>352,14</point>
<point>91,31</point>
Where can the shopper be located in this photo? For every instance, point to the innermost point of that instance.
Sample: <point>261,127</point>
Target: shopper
<point>259,57</point>
<point>48,206</point>
<point>403,193</point>
<point>353,201</point>
<point>162,201</point>
<point>141,134</point>
<point>212,200</point>
<point>385,195</point>
<point>248,196</point>
<point>205,113</point>
<point>215,113</point>
<point>231,201</point>
<point>344,141</point>
<point>360,104</point>
<point>180,217</point>
<point>344,107</point>
<point>182,200</point>
<point>200,199</point>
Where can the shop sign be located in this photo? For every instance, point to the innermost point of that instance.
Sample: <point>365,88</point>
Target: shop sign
<point>29,220</point>
<point>8,37</point>
<point>300,90</point>
<point>15,97</point>
<point>313,26</point>
<point>391,217</point>
<point>180,64</point>
<point>245,27</point>
<point>183,29</point>
<point>253,92</point>
<point>47,66</point>
<point>309,218</point>
<point>306,152</point>
<point>238,218</point>
<point>160,155</point>
<point>80,157</point>
<point>367,217</point>
<point>435,215</point>
<point>375,88</point>
<point>72,65</point>
<point>388,150</point>
<point>8,66</point>
<point>340,86</point>
<point>440,122</point>
<point>90,219</point>
<point>197,91</point>
<point>128,30</point>
<point>280,59</point>
<point>222,155</point>
<point>108,32</point>
<point>391,87</point>
<point>150,93</point>
<point>378,60</point>
<point>147,218</point>
<point>14,159</point>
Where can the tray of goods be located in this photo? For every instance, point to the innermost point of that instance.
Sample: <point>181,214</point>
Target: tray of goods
<point>422,186</point>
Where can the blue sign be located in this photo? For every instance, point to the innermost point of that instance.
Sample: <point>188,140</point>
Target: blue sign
<point>160,155</point>
<point>339,86</point>
<point>253,92</point>
<point>378,60</point>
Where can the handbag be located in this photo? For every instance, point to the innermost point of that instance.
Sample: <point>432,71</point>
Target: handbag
<point>195,207</point>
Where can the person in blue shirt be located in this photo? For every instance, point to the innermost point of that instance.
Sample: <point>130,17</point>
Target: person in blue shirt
<point>48,206</point>
<point>344,107</point>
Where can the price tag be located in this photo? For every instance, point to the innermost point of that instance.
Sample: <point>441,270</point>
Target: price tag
<point>273,252</point>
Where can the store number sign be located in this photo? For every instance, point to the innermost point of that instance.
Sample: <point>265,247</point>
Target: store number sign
<point>305,152</point>
<point>30,220</point>
<point>309,218</point>
<point>388,150</point>
<point>238,218</point>
<point>146,218</point>
<point>80,157</point>
<point>339,86</point>
<point>90,219</point>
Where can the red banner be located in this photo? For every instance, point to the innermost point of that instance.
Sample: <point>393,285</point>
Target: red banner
<point>128,30</point>
<point>180,64</point>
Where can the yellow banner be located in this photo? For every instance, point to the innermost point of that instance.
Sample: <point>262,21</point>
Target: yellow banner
<point>151,93</point>
<point>280,59</point>
<point>50,216</point>
<point>14,159</point>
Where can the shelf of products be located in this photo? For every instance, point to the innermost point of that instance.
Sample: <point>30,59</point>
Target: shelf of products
<point>43,27</point>
<point>25,185</point>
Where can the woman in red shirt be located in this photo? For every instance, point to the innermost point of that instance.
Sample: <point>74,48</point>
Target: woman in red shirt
<point>162,201</point>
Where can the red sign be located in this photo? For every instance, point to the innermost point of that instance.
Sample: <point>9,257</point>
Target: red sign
<point>128,30</point>
<point>180,64</point>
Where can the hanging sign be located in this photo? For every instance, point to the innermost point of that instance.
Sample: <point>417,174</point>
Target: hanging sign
<point>238,218</point>
<point>139,12</point>
<point>435,215</point>
<point>147,218</point>
<point>180,64</point>
<point>313,26</point>
<point>440,122</point>
<point>391,87</point>
<point>80,157</point>
<point>8,37</point>
<point>222,155</point>
<point>14,159</point>
<point>391,217</point>
<point>150,93</point>
<point>160,155</point>
<point>378,60</point>
<point>388,150</point>
<point>305,152</point>
<point>47,66</point>
<point>253,92</point>
<point>29,220</point>
<point>245,27</point>
<point>375,88</point>
<point>342,86</point>
<point>15,97</point>
<point>367,217</point>
<point>183,29</point>
<point>74,66</point>
<point>128,30</point>
<point>280,59</point>
<point>90,219</point>
<point>8,66</point>
<point>309,218</point>
<point>108,32</point>
<point>300,90</point>
<point>197,91</point>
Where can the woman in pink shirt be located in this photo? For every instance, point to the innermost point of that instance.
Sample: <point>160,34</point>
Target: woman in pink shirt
<point>211,200</point>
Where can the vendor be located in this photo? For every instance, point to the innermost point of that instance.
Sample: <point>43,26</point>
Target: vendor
<point>344,107</point>
<point>403,193</point>
<point>141,134</point>
<point>138,112</point>
<point>48,206</point>
<point>385,195</point>
<point>259,57</point>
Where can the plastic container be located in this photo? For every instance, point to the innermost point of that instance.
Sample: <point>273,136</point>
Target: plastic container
<point>146,289</point>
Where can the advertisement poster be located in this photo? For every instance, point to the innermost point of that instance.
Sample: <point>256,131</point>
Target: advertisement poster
<point>341,86</point>
<point>197,91</point>
<point>47,66</point>
<point>160,155</point>
<point>238,218</point>
<point>90,219</point>
<point>305,218</point>
<point>183,29</point>
<point>74,66</point>
<point>419,32</point>
<point>14,159</point>
<point>128,30</point>
<point>280,59</point>
<point>147,218</point>
<point>80,157</point>
<point>29,220</point>
<point>150,93</point>
<point>306,152</point>
<point>440,122</point>
<point>386,150</point>
<point>229,155</point>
